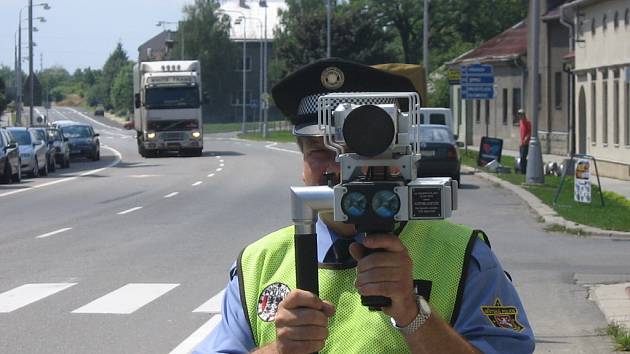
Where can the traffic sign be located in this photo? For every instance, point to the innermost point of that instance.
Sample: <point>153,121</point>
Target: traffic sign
<point>454,77</point>
<point>477,82</point>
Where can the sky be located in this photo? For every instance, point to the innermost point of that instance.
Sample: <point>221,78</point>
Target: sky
<point>82,33</point>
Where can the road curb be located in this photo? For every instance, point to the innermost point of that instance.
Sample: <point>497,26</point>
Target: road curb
<point>549,216</point>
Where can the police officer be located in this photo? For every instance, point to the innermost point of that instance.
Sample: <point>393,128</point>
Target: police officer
<point>449,292</point>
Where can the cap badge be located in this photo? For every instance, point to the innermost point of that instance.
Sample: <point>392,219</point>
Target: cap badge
<point>332,78</point>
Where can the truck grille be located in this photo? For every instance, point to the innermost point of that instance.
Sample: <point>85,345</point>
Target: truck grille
<point>172,136</point>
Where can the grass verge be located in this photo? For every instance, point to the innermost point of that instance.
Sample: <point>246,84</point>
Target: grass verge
<point>621,336</point>
<point>612,216</point>
<point>277,136</point>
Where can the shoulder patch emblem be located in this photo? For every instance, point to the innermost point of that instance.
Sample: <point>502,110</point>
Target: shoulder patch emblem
<point>503,316</point>
<point>269,300</point>
<point>332,78</point>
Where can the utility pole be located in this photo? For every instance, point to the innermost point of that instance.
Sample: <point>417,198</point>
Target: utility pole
<point>534,161</point>
<point>328,54</point>
<point>425,40</point>
<point>30,60</point>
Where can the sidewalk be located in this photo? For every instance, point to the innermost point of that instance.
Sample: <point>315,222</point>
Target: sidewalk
<point>620,187</point>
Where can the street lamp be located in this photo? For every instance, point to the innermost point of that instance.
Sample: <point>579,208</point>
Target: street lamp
<point>263,3</point>
<point>30,6</point>
<point>238,22</point>
<point>328,29</point>
<point>534,171</point>
<point>181,35</point>
<point>261,78</point>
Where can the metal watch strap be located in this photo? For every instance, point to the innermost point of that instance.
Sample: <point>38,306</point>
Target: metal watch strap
<point>417,322</point>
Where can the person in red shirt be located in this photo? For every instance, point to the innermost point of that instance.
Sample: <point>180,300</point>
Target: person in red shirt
<point>526,133</point>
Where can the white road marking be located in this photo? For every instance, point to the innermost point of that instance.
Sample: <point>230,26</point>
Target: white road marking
<point>118,159</point>
<point>93,120</point>
<point>222,165</point>
<point>221,161</point>
<point>219,169</point>
<point>171,195</point>
<point>143,176</point>
<point>126,299</point>
<point>211,175</point>
<point>189,344</point>
<point>272,146</point>
<point>29,293</point>
<point>54,232</point>
<point>129,211</point>
<point>197,183</point>
<point>213,305</point>
<point>218,157</point>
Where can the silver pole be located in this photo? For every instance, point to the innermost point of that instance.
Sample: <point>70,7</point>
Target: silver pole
<point>328,29</point>
<point>30,60</point>
<point>18,118</point>
<point>425,39</point>
<point>244,76</point>
<point>534,160</point>
<point>261,78</point>
<point>266,110</point>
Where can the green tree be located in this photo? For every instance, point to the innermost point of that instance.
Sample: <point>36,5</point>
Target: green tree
<point>301,38</point>
<point>116,61</point>
<point>3,100</point>
<point>122,90</point>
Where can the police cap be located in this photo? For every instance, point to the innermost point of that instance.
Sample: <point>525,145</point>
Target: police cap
<point>296,95</point>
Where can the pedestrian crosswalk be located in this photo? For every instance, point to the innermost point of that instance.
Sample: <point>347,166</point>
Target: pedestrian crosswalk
<point>124,300</point>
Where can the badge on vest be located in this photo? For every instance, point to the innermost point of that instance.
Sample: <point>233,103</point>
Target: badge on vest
<point>503,316</point>
<point>269,300</point>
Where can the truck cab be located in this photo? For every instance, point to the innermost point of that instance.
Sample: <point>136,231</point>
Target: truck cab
<point>167,113</point>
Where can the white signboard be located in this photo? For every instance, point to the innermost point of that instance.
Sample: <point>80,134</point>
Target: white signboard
<point>582,189</point>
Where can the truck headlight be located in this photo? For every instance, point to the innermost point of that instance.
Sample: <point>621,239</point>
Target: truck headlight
<point>196,134</point>
<point>151,135</point>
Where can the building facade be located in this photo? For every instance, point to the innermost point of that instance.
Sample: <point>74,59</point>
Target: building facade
<point>507,53</point>
<point>602,83</point>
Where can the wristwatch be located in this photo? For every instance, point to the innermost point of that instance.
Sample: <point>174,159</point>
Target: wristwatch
<point>424,312</point>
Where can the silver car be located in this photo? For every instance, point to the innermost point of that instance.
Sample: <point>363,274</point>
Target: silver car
<point>32,151</point>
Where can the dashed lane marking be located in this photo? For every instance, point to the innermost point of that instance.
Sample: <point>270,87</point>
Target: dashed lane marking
<point>197,183</point>
<point>28,293</point>
<point>211,175</point>
<point>54,232</point>
<point>126,299</point>
<point>129,210</point>
<point>171,195</point>
<point>219,169</point>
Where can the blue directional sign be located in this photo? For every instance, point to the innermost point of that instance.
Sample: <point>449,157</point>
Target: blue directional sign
<point>477,82</point>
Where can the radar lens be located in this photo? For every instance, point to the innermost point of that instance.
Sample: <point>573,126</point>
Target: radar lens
<point>386,204</point>
<point>354,204</point>
<point>368,130</point>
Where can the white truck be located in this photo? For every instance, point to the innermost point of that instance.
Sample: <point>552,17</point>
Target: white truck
<point>167,100</point>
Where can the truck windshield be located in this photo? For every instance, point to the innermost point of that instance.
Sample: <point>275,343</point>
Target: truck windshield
<point>166,125</point>
<point>172,97</point>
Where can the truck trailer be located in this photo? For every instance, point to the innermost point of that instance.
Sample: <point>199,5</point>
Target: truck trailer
<point>167,114</point>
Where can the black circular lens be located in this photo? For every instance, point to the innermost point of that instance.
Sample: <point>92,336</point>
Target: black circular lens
<point>368,130</point>
<point>354,204</point>
<point>386,204</point>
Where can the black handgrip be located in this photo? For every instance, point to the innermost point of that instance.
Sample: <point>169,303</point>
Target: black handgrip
<point>306,273</point>
<point>306,263</point>
<point>375,303</point>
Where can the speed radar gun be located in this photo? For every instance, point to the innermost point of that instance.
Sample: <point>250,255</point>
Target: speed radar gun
<point>376,139</point>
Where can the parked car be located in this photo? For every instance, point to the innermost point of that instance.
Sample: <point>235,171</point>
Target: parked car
<point>61,147</point>
<point>82,139</point>
<point>439,151</point>
<point>10,163</point>
<point>42,135</point>
<point>32,151</point>
<point>99,111</point>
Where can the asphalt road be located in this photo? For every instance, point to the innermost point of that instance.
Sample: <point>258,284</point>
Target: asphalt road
<point>122,255</point>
